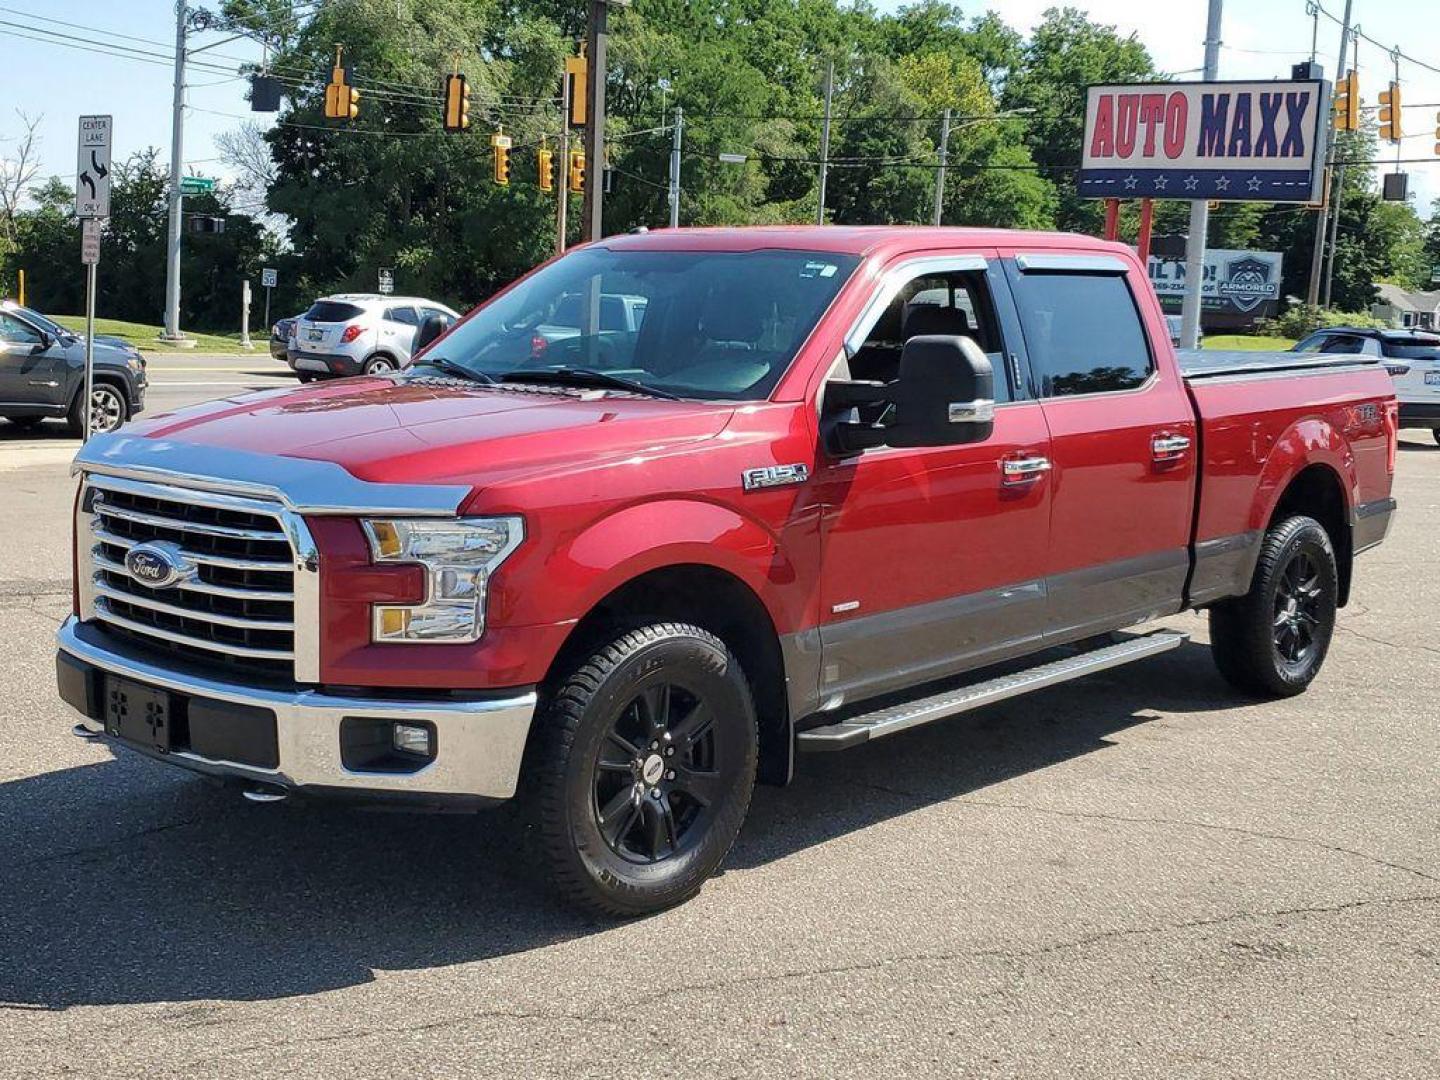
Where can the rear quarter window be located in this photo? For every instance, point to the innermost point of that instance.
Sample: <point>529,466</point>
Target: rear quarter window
<point>1412,352</point>
<point>333,311</point>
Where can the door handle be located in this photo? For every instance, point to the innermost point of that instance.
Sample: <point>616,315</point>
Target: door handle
<point>1169,447</point>
<point>1022,470</point>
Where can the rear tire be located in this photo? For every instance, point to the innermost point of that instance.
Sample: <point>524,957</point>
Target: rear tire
<point>380,365</point>
<point>643,769</point>
<point>1272,641</point>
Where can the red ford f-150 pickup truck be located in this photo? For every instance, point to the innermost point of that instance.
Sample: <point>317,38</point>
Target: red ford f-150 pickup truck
<point>834,483</point>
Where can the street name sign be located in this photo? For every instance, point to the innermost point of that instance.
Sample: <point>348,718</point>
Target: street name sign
<point>90,242</point>
<point>196,185</point>
<point>92,168</point>
<point>1235,141</point>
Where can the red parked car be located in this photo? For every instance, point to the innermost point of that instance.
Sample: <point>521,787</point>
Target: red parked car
<point>824,482</point>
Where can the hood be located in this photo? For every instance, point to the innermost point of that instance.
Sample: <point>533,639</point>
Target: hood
<point>438,431</point>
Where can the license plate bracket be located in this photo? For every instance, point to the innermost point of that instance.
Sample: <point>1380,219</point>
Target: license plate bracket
<point>138,713</point>
<point>1432,378</point>
<point>315,335</point>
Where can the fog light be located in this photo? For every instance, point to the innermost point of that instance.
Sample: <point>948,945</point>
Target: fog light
<point>412,739</point>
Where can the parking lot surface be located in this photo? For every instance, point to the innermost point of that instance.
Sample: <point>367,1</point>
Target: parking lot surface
<point>1138,875</point>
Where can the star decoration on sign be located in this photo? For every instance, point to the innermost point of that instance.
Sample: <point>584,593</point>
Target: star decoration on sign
<point>1130,182</point>
<point>1223,184</point>
<point>1253,183</point>
<point>1160,182</point>
<point>1191,183</point>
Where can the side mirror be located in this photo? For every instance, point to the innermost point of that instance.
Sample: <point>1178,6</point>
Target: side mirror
<point>44,344</point>
<point>945,394</point>
<point>431,328</point>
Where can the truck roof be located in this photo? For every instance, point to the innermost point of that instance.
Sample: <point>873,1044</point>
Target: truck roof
<point>849,239</point>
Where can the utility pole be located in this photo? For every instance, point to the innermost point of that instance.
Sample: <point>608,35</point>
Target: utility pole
<point>1199,208</point>
<point>562,189</point>
<point>825,139</point>
<point>940,172</point>
<point>676,135</point>
<point>1317,256</point>
<point>595,41</point>
<point>177,159</point>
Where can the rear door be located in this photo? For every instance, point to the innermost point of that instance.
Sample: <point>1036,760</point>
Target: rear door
<point>1122,441</point>
<point>933,558</point>
<point>320,329</point>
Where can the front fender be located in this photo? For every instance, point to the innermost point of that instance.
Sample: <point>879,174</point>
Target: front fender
<point>634,540</point>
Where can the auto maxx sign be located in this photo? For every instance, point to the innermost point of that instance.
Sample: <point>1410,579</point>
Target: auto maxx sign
<point>1240,141</point>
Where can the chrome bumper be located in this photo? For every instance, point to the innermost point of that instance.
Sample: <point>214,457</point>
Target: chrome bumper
<point>479,742</point>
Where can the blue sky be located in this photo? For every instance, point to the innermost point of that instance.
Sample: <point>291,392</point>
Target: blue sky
<point>1262,39</point>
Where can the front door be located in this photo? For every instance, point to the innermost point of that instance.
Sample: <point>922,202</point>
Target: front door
<point>29,375</point>
<point>1122,442</point>
<point>934,558</point>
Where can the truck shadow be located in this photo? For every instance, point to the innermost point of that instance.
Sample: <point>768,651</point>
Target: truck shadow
<point>126,882</point>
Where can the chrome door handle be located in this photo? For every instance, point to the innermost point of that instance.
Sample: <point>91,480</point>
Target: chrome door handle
<point>1169,447</point>
<point>1022,470</point>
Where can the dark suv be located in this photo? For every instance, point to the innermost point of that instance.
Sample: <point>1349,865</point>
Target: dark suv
<point>42,374</point>
<point>1411,356</point>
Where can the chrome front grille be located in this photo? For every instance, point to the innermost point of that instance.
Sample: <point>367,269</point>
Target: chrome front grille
<point>246,596</point>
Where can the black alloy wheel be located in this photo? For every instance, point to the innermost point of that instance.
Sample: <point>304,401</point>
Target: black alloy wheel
<point>1298,609</point>
<point>657,780</point>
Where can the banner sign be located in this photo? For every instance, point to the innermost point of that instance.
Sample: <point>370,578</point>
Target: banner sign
<point>1240,283</point>
<point>1238,141</point>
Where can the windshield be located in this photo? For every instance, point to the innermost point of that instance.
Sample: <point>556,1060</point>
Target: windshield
<point>697,324</point>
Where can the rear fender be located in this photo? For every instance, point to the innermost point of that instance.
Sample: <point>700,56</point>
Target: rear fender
<point>1307,442</point>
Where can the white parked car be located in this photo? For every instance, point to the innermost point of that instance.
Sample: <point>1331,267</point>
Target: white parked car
<point>1411,356</point>
<point>359,334</point>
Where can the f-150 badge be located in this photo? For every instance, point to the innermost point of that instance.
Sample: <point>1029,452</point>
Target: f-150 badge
<point>768,476</point>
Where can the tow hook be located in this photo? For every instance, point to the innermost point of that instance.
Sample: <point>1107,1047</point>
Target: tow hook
<point>264,794</point>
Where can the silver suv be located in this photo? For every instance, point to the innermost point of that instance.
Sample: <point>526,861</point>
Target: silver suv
<point>358,333</point>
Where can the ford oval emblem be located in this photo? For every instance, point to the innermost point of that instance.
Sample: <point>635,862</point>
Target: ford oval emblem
<point>157,565</point>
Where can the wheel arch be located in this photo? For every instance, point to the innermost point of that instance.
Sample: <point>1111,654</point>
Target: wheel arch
<point>1318,491</point>
<point>714,599</point>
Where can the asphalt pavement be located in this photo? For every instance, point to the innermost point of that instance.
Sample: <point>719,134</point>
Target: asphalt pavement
<point>1138,875</point>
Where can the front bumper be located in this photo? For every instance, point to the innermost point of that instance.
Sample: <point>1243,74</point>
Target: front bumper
<point>479,741</point>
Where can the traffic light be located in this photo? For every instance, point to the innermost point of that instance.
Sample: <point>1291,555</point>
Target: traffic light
<point>457,103</point>
<point>1390,114</point>
<point>501,145</point>
<point>577,171</point>
<point>342,101</point>
<point>546,169</point>
<point>1347,102</point>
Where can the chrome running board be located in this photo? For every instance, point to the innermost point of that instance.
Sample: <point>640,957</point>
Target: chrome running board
<point>887,721</point>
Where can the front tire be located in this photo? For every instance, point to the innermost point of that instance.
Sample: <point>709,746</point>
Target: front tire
<point>108,410</point>
<point>643,769</point>
<point>1272,641</point>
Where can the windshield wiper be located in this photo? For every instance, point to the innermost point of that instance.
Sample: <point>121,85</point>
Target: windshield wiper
<point>587,377</point>
<point>450,367</point>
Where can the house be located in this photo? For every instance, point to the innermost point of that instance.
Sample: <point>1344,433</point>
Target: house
<point>1407,310</point>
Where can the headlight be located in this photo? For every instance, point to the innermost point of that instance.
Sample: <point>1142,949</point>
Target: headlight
<point>458,557</point>
<point>135,362</point>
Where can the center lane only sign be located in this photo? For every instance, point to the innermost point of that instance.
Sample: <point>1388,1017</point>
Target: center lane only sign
<point>1239,141</point>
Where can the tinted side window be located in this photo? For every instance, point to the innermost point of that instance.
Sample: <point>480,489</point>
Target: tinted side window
<point>1345,343</point>
<point>1083,332</point>
<point>14,331</point>
<point>404,315</point>
<point>1314,343</point>
<point>333,311</point>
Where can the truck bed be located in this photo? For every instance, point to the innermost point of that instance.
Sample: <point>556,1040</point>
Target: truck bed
<point>1214,363</point>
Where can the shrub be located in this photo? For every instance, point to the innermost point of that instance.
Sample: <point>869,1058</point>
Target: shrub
<point>1301,320</point>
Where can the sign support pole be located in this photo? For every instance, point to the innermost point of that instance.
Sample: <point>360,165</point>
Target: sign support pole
<point>562,189</point>
<point>1317,253</point>
<point>1147,220</point>
<point>1112,219</point>
<point>175,233</point>
<point>1199,208</point>
<point>89,406</point>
